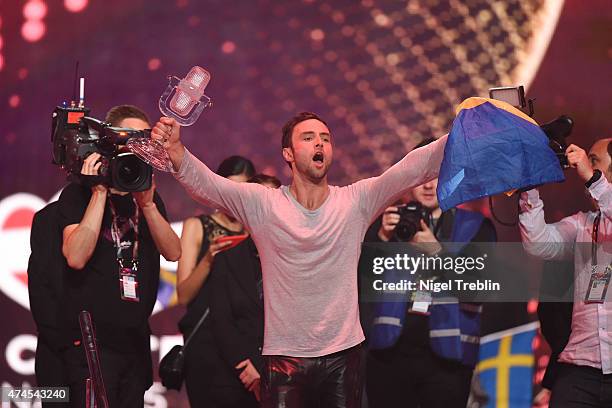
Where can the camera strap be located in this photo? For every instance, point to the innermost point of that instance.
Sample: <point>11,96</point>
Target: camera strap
<point>438,224</point>
<point>128,280</point>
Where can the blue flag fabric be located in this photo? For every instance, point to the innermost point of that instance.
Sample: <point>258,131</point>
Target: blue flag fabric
<point>493,148</point>
<point>166,291</point>
<point>505,368</point>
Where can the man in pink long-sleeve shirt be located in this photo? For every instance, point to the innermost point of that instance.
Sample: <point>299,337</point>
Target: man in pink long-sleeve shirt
<point>309,238</point>
<point>584,377</point>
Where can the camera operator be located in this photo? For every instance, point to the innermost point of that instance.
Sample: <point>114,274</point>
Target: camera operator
<point>584,376</point>
<point>420,369</point>
<point>112,241</point>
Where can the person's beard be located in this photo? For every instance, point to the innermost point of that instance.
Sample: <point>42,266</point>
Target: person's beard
<point>313,174</point>
<point>316,175</point>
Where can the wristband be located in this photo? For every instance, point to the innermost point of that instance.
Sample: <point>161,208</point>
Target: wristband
<point>596,176</point>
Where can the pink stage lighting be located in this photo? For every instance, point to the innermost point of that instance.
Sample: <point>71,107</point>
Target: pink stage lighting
<point>75,6</point>
<point>33,30</point>
<point>228,47</point>
<point>35,10</point>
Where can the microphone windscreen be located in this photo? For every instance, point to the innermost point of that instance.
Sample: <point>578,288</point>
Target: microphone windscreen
<point>189,91</point>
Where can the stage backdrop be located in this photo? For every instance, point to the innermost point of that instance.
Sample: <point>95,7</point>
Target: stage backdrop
<point>384,74</point>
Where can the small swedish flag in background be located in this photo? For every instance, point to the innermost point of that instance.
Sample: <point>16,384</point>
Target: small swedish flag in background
<point>166,292</point>
<point>505,367</point>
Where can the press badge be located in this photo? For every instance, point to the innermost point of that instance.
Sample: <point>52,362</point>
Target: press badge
<point>598,285</point>
<point>420,302</point>
<point>128,285</point>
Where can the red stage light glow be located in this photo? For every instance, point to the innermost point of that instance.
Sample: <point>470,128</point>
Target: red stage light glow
<point>154,64</point>
<point>75,6</point>
<point>33,30</point>
<point>317,34</point>
<point>22,73</point>
<point>228,47</point>
<point>14,101</point>
<point>532,306</point>
<point>1,62</point>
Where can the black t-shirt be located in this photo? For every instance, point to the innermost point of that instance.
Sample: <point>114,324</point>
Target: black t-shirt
<point>119,324</point>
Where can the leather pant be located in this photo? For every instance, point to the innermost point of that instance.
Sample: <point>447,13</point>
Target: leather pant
<point>331,381</point>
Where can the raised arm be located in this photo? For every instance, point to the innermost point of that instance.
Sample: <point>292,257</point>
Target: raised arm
<point>80,239</point>
<point>242,200</point>
<point>601,191</point>
<point>417,167</point>
<point>555,241</point>
<point>546,241</point>
<point>166,240</point>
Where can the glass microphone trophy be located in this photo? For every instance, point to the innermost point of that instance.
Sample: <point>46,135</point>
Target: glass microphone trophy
<point>183,100</point>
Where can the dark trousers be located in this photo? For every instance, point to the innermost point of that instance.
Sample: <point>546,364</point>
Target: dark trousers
<point>126,376</point>
<point>580,387</point>
<point>415,378</point>
<point>331,381</point>
<point>49,369</point>
<point>209,381</point>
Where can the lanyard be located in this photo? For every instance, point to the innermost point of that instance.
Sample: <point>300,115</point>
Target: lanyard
<point>116,233</point>
<point>594,238</point>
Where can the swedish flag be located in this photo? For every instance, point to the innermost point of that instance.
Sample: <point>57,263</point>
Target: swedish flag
<point>166,292</point>
<point>493,148</point>
<point>505,369</point>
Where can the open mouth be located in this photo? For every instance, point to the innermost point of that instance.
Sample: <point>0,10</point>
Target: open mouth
<point>318,157</point>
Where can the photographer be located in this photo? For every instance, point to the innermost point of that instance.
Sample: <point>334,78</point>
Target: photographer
<point>112,241</point>
<point>584,372</point>
<point>426,366</point>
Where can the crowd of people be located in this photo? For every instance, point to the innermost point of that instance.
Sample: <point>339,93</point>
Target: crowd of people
<point>270,282</point>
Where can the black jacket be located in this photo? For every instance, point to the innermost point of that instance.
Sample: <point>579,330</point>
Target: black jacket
<point>45,273</point>
<point>556,317</point>
<point>236,306</point>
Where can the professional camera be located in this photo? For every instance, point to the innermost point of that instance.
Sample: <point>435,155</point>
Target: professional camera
<point>557,130</point>
<point>409,223</point>
<point>75,136</point>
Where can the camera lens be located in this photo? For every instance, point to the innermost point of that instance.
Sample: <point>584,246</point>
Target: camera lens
<point>404,231</point>
<point>129,173</point>
<point>129,170</point>
<point>410,220</point>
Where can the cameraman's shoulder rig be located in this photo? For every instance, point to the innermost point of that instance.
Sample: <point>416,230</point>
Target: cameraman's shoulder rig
<point>454,327</point>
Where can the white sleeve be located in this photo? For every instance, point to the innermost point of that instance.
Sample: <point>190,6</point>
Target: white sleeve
<point>547,241</point>
<point>601,191</point>
<point>417,167</point>
<point>245,201</point>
